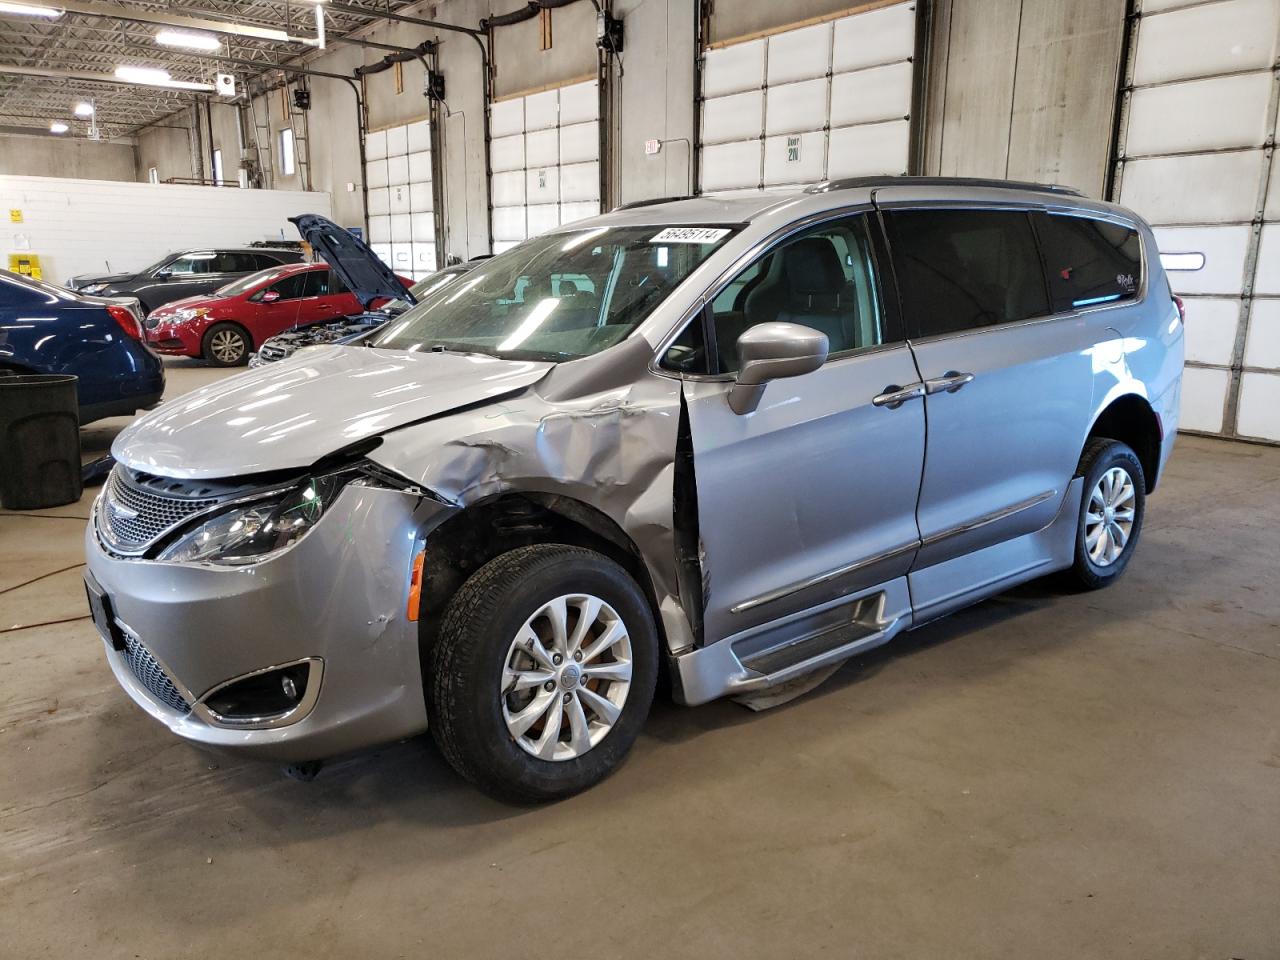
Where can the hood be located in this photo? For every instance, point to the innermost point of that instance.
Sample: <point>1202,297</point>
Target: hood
<point>87,278</point>
<point>288,415</point>
<point>359,267</point>
<point>199,300</point>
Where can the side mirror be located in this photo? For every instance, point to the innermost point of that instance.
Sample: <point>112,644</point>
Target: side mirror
<point>164,274</point>
<point>270,296</point>
<point>771,351</point>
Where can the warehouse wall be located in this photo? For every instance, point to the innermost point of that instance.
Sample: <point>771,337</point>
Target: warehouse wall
<point>1024,89</point>
<point>1018,88</point>
<point>73,224</point>
<point>167,148</point>
<point>226,137</point>
<point>42,156</point>
<point>654,99</point>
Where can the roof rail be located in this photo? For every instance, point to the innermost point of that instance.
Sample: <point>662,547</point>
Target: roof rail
<point>890,180</point>
<point>652,201</point>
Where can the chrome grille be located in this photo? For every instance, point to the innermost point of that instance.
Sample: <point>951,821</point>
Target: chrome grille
<point>131,519</point>
<point>270,352</point>
<point>149,673</point>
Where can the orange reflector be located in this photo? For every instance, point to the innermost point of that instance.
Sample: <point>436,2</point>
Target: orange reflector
<point>415,586</point>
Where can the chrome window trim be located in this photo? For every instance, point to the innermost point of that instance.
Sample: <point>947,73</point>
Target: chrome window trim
<point>744,260</point>
<point>757,249</point>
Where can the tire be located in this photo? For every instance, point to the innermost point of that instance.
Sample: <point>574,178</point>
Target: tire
<point>226,345</point>
<point>1113,478</point>
<point>484,652</point>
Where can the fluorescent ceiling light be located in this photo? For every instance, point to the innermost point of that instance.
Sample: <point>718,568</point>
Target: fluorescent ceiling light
<point>153,77</point>
<point>58,127</point>
<point>84,109</point>
<point>188,40</point>
<point>30,10</point>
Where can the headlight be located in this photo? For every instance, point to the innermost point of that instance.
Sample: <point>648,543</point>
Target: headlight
<point>93,288</point>
<point>255,531</point>
<point>185,314</point>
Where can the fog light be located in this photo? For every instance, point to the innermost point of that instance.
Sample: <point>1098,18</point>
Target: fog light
<point>271,696</point>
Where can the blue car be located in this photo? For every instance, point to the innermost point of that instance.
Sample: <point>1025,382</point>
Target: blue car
<point>48,329</point>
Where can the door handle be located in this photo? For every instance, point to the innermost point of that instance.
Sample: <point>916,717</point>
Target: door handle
<point>895,396</point>
<point>950,382</point>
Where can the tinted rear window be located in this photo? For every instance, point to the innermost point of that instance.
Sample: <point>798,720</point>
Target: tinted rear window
<point>961,269</point>
<point>1089,261</point>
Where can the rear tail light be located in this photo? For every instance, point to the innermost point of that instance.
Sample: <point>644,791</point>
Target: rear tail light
<point>127,320</point>
<point>1182,309</point>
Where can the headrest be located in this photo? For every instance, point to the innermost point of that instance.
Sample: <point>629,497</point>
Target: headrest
<point>812,268</point>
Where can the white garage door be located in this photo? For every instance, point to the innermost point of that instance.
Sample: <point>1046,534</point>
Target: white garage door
<point>544,151</point>
<point>1200,112</point>
<point>402,229</point>
<point>818,102</point>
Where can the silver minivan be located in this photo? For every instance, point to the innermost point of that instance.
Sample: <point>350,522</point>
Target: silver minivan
<point>734,441</point>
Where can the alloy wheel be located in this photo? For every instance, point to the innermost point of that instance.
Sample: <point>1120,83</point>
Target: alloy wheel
<point>1108,520</point>
<point>227,346</point>
<point>566,677</point>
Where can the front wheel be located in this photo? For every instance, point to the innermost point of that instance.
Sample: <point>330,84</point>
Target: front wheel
<point>543,672</point>
<point>226,345</point>
<point>1111,515</point>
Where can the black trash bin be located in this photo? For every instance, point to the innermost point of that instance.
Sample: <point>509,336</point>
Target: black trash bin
<point>39,441</point>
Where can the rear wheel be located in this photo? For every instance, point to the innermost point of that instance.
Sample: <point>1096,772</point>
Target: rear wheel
<point>543,673</point>
<point>226,345</point>
<point>1111,513</point>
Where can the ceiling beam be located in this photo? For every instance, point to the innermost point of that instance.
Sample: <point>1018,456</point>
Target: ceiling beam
<point>398,17</point>
<point>92,8</point>
<point>88,76</point>
<point>108,11</point>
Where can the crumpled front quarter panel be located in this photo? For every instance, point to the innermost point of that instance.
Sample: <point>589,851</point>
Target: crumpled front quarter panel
<point>613,449</point>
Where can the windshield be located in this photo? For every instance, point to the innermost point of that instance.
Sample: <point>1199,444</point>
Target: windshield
<point>157,265</point>
<point>423,289</point>
<point>245,284</point>
<point>559,296</point>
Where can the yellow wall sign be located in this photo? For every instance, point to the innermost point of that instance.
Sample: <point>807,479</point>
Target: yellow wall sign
<point>27,264</point>
<point>15,215</point>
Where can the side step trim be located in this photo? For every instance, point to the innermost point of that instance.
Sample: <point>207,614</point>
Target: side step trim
<point>782,650</point>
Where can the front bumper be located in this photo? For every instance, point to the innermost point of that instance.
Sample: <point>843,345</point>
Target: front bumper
<point>173,339</point>
<point>337,596</point>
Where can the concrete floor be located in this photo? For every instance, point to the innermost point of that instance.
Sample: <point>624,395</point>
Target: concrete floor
<point>1040,776</point>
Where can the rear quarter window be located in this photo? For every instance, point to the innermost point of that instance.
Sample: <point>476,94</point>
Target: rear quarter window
<point>1087,261</point>
<point>963,269</point>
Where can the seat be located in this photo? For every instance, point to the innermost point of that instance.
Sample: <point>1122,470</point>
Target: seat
<point>806,286</point>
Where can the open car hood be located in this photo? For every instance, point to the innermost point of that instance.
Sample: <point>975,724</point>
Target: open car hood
<point>359,268</point>
<point>288,415</point>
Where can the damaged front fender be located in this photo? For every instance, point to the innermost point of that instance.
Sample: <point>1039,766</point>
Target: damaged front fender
<point>601,431</point>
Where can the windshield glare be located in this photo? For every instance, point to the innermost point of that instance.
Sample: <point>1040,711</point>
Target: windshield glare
<point>559,296</point>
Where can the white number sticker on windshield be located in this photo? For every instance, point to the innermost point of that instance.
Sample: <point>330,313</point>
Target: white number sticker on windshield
<point>690,235</point>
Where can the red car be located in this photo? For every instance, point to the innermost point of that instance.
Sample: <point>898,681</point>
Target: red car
<point>226,326</point>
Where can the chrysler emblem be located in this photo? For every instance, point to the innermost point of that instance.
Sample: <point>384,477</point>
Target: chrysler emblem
<point>119,511</point>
